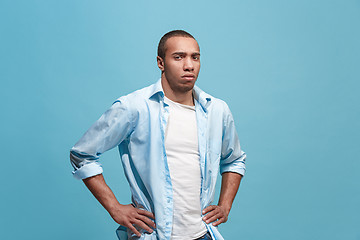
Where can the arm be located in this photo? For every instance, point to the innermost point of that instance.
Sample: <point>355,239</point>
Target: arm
<point>229,187</point>
<point>232,169</point>
<point>109,131</point>
<point>125,215</point>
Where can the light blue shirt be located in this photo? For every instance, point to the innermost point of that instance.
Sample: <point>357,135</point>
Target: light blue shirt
<point>136,123</point>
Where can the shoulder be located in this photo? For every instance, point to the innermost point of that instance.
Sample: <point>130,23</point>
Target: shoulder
<point>220,104</point>
<point>137,98</point>
<point>216,104</point>
<point>216,107</point>
<point>138,104</point>
<point>221,108</point>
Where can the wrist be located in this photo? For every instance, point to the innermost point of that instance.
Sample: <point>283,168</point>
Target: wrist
<point>114,209</point>
<point>226,207</point>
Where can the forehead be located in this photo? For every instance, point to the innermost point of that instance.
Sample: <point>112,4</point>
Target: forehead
<point>181,44</point>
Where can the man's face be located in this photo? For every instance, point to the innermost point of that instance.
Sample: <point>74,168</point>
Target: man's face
<point>181,65</point>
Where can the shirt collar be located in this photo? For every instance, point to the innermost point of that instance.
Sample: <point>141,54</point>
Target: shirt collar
<point>202,97</point>
<point>156,89</point>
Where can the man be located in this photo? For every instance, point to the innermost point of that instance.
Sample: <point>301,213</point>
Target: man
<point>173,139</point>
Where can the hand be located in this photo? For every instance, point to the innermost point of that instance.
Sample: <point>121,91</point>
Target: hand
<point>128,216</point>
<point>215,212</point>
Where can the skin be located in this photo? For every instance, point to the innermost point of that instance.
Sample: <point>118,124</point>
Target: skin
<point>179,71</point>
<point>125,215</point>
<point>217,214</point>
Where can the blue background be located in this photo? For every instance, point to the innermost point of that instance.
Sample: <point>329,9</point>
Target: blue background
<point>289,71</point>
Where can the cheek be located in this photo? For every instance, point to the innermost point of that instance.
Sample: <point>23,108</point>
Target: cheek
<point>198,67</point>
<point>173,68</point>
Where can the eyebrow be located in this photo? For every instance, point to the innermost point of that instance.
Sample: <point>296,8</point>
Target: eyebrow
<point>184,53</point>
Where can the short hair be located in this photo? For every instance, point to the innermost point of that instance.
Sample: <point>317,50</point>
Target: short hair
<point>174,33</point>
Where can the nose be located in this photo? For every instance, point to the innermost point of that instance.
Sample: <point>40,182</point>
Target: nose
<point>188,64</point>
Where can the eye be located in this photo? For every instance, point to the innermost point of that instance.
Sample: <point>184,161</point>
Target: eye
<point>196,57</point>
<point>177,57</point>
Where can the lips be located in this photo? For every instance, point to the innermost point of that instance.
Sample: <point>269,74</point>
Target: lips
<point>188,76</point>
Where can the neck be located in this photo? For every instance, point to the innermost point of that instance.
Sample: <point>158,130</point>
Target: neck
<point>185,97</point>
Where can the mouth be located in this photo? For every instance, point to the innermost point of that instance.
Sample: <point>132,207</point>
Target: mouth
<point>188,77</point>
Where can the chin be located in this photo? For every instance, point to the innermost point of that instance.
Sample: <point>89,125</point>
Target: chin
<point>186,87</point>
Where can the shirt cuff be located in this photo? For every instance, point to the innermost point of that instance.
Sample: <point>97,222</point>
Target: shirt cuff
<point>237,167</point>
<point>240,171</point>
<point>88,170</point>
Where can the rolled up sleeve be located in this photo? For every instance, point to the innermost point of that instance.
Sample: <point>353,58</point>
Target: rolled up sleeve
<point>232,157</point>
<point>107,132</point>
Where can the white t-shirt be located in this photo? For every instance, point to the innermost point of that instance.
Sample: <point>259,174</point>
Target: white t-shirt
<point>181,144</point>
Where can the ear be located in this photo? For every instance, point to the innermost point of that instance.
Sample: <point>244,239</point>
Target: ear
<point>160,63</point>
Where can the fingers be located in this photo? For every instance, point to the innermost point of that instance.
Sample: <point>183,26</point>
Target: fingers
<point>215,213</point>
<point>211,216</point>
<point>146,213</point>
<point>209,208</point>
<point>145,216</point>
<point>142,225</point>
<point>134,219</point>
<point>141,222</point>
<point>218,222</point>
<point>147,221</point>
<point>133,229</point>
